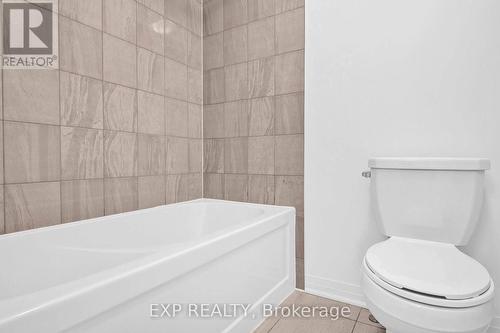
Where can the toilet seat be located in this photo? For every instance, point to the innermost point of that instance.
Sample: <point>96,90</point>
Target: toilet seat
<point>428,272</point>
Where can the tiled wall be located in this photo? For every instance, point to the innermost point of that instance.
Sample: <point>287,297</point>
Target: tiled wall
<point>254,104</point>
<point>118,127</point>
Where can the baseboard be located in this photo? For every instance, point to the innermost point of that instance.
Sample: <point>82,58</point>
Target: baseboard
<point>336,290</point>
<point>495,325</point>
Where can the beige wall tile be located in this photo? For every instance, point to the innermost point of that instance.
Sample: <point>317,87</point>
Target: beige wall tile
<point>213,51</point>
<point>261,77</point>
<point>31,95</point>
<point>120,195</point>
<point>299,237</point>
<point>194,16</point>
<point>195,155</point>
<point>149,30</point>
<point>151,113</point>
<point>150,71</point>
<point>120,61</point>
<point>175,79</point>
<point>284,5</point>
<point>32,152</point>
<point>261,155</point>
<point>29,206</point>
<point>213,153</point>
<point>194,186</point>
<point>290,192</point>
<point>177,155</point>
<point>290,31</point>
<point>156,5</point>
<point>81,101</point>
<point>235,13</point>
<point>151,191</point>
<point>212,17</point>
<point>194,51</point>
<point>195,121</point>
<point>213,86</point>
<point>261,116</point>
<point>88,12</point>
<point>120,108</point>
<point>81,153</point>
<point>120,18</point>
<point>2,211</point>
<point>80,48</point>
<point>290,72</point>
<point>176,42</point>
<point>176,113</point>
<point>176,10</point>
<point>235,45</point>
<point>213,121</point>
<point>236,187</point>
<point>82,199</point>
<point>290,154</point>
<point>151,160</point>
<point>120,154</point>
<point>236,82</point>
<point>261,38</point>
<point>213,186</point>
<point>236,155</point>
<point>261,189</point>
<point>176,188</point>
<point>290,114</point>
<point>236,118</point>
<point>195,89</point>
<point>258,9</point>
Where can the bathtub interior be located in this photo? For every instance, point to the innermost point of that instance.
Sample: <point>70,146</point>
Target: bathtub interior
<point>65,253</point>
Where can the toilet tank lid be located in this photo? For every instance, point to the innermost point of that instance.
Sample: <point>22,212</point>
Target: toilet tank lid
<point>429,163</point>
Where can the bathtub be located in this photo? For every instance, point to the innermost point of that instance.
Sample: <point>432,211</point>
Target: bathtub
<point>152,270</point>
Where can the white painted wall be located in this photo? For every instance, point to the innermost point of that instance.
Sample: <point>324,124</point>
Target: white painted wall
<point>393,78</point>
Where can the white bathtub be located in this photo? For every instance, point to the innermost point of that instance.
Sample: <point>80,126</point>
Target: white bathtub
<point>111,274</point>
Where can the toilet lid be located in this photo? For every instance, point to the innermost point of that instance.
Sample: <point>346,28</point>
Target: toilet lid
<point>429,268</point>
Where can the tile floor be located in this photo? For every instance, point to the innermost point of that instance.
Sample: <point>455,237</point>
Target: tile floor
<point>356,322</point>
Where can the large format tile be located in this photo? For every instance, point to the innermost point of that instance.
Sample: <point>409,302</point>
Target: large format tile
<point>290,31</point>
<point>156,5</point>
<point>212,17</point>
<point>176,188</point>
<point>195,86</point>
<point>176,114</point>
<point>213,51</point>
<point>236,119</point>
<point>236,188</point>
<point>261,38</point>
<point>213,86</point>
<point>176,10</point>
<point>151,160</point>
<point>81,101</point>
<point>213,121</point>
<point>261,155</point>
<point>194,186</point>
<point>31,95</point>
<point>261,189</point>
<point>285,5</point>
<point>120,108</point>
<point>290,72</point>
<point>177,155</point>
<point>194,16</point>
<point>2,211</point>
<point>305,325</point>
<point>290,154</point>
<point>150,71</point>
<point>258,9</point>
<point>364,317</point>
<point>195,155</point>
<point>235,13</point>
<point>290,114</point>
<point>32,152</point>
<point>151,191</point>
<point>236,155</point>
<point>81,153</point>
<point>151,113</point>
<point>175,79</point>
<point>213,155</point>
<point>261,77</point>
<point>195,51</point>
<point>80,48</point>
<point>213,186</point>
<point>363,328</point>
<point>88,12</point>
<point>120,195</point>
<point>290,192</point>
<point>82,199</point>
<point>236,83</point>
<point>176,42</point>
<point>235,45</point>
<point>195,121</point>
<point>29,206</point>
<point>120,19</point>
<point>120,154</point>
<point>261,113</point>
<point>149,30</point>
<point>120,61</point>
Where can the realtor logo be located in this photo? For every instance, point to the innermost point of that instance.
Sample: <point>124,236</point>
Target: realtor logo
<point>30,36</point>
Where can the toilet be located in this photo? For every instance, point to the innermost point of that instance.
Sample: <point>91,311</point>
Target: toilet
<point>418,281</point>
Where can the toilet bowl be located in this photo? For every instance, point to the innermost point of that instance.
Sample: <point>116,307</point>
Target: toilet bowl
<point>418,281</point>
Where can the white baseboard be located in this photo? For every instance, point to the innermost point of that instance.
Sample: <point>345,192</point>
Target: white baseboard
<point>336,290</point>
<point>495,325</point>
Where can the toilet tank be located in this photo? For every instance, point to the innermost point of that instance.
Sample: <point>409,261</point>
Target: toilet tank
<point>435,199</point>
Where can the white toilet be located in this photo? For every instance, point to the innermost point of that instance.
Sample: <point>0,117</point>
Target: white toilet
<point>418,281</point>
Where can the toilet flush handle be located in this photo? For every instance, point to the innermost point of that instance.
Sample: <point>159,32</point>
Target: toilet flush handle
<point>366,174</point>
